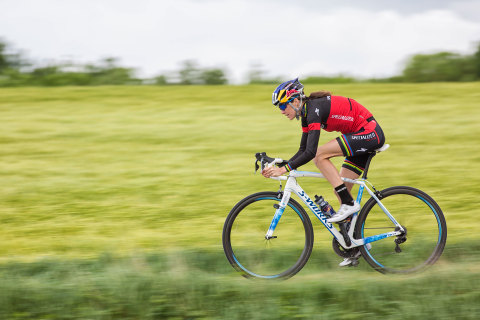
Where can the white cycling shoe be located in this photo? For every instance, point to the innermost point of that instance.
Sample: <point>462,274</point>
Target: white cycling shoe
<point>353,260</point>
<point>344,212</point>
<point>349,261</point>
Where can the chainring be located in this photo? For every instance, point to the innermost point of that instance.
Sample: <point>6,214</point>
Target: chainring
<point>341,251</point>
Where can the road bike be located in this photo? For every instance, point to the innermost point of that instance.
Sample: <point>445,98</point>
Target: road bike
<point>269,235</point>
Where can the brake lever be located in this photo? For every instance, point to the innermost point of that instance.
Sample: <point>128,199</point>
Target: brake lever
<point>263,158</point>
<point>259,156</point>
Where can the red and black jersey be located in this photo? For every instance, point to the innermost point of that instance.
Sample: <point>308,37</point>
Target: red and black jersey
<point>346,115</point>
<point>331,113</point>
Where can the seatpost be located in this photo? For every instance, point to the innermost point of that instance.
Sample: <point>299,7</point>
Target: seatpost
<point>364,176</point>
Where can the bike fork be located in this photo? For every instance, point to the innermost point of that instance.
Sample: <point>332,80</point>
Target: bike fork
<point>280,208</point>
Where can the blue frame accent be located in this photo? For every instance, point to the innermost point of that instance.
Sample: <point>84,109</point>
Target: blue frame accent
<point>378,237</point>
<point>360,194</point>
<point>288,204</point>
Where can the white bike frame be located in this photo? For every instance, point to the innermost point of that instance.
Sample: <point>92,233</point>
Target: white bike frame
<point>292,186</point>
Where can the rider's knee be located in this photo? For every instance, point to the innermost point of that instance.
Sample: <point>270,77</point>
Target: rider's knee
<point>320,157</point>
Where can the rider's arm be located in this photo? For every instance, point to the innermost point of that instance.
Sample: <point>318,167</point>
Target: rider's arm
<point>303,146</point>
<point>309,142</point>
<point>308,154</point>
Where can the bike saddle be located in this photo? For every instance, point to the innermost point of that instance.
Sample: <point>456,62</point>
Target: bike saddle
<point>384,148</point>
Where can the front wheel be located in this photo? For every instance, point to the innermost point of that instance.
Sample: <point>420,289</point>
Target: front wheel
<point>250,253</point>
<point>419,215</point>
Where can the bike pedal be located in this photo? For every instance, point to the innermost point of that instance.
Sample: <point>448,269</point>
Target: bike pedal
<point>397,248</point>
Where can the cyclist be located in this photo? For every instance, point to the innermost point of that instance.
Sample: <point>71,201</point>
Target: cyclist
<point>361,134</point>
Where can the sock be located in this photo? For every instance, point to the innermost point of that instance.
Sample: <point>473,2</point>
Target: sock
<point>344,195</point>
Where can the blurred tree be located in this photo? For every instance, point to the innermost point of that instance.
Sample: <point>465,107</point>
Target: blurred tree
<point>213,76</point>
<point>46,76</point>
<point>3,58</point>
<point>442,66</point>
<point>476,62</point>
<point>333,79</point>
<point>10,64</point>
<point>161,80</point>
<point>109,73</point>
<point>189,73</point>
<point>258,75</point>
<point>14,78</point>
<point>9,59</point>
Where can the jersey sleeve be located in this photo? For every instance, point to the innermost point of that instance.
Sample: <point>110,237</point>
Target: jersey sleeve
<point>311,125</point>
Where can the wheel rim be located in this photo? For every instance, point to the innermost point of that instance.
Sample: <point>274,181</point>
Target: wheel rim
<point>423,242</point>
<point>257,257</point>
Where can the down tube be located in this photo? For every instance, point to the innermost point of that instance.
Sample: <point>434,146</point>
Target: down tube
<point>316,211</point>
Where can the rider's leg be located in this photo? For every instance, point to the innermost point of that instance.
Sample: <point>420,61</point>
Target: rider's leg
<point>353,167</point>
<point>322,161</point>
<point>346,173</point>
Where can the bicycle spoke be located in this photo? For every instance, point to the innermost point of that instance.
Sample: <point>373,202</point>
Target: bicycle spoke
<point>420,245</point>
<point>281,256</point>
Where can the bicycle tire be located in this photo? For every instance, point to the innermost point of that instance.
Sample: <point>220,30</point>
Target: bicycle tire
<point>244,228</point>
<point>424,221</point>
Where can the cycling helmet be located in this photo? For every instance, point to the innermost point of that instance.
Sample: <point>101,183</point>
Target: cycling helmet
<point>286,92</point>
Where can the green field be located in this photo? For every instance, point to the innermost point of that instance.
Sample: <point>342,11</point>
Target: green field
<point>150,173</point>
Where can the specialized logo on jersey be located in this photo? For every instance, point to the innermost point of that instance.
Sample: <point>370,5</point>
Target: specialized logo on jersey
<point>340,117</point>
<point>317,111</point>
<point>369,136</point>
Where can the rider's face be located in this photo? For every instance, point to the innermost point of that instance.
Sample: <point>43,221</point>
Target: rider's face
<point>289,112</point>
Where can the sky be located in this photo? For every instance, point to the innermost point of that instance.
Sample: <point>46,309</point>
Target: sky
<point>370,38</point>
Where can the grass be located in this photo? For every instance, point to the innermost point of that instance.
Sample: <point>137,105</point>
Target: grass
<point>197,284</point>
<point>118,169</point>
<point>107,191</point>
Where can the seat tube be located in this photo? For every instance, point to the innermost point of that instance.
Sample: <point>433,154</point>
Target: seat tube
<point>360,193</point>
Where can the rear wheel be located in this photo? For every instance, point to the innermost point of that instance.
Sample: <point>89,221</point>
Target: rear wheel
<point>254,256</point>
<point>419,215</point>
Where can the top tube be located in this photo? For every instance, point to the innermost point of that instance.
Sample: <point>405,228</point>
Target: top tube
<point>310,174</point>
<point>297,174</point>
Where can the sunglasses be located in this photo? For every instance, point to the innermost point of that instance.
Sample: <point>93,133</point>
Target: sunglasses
<point>283,106</point>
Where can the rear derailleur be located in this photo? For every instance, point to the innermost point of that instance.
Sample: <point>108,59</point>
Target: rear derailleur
<point>401,238</point>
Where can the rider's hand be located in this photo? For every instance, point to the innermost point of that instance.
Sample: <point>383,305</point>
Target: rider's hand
<point>273,172</point>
